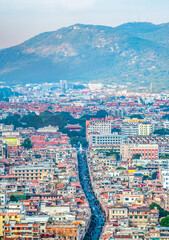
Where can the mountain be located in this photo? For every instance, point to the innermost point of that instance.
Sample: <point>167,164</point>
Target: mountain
<point>133,52</point>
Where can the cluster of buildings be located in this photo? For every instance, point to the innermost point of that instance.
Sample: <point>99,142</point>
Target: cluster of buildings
<point>40,193</point>
<point>87,100</point>
<point>126,196</point>
<point>128,158</point>
<point>128,164</point>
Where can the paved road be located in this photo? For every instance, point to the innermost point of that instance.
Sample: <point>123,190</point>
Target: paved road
<point>98,215</point>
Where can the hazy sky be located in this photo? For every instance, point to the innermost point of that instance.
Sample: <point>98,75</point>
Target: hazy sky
<point>22,19</point>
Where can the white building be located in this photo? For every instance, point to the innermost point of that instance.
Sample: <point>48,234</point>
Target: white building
<point>129,129</point>
<point>164,174</point>
<point>99,125</point>
<point>49,129</point>
<point>104,139</point>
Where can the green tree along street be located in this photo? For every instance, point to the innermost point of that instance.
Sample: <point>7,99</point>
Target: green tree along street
<point>27,143</point>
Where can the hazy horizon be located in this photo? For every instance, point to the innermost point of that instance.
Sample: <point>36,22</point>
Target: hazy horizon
<point>23,19</point>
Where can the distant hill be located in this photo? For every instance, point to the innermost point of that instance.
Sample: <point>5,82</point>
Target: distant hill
<point>133,52</point>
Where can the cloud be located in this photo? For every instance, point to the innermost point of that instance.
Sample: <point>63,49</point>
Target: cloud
<point>75,5</point>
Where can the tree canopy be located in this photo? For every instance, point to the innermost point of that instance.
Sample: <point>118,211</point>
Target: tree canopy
<point>154,175</point>
<point>27,143</point>
<point>120,168</point>
<point>162,131</point>
<point>165,222</point>
<point>13,198</point>
<point>162,212</point>
<point>138,116</point>
<point>136,156</point>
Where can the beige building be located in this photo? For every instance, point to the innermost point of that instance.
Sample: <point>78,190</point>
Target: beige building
<point>144,129</point>
<point>118,211</point>
<point>55,210</point>
<point>147,151</point>
<point>138,216</point>
<point>6,217</point>
<point>31,172</point>
<point>125,151</point>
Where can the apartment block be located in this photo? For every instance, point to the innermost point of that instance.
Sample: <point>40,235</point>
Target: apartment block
<point>6,217</point>
<point>129,129</point>
<point>145,129</point>
<point>98,125</point>
<point>32,172</point>
<point>64,231</point>
<point>147,151</point>
<point>104,139</point>
<point>27,231</point>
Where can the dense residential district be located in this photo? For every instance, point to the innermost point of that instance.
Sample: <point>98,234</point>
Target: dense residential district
<point>83,162</point>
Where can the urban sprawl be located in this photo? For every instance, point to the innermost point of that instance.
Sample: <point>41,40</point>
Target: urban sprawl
<point>83,162</point>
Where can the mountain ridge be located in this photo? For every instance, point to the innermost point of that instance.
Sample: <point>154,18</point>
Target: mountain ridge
<point>132,52</point>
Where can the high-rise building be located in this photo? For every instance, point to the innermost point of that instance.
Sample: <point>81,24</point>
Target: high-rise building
<point>98,125</point>
<point>63,84</point>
